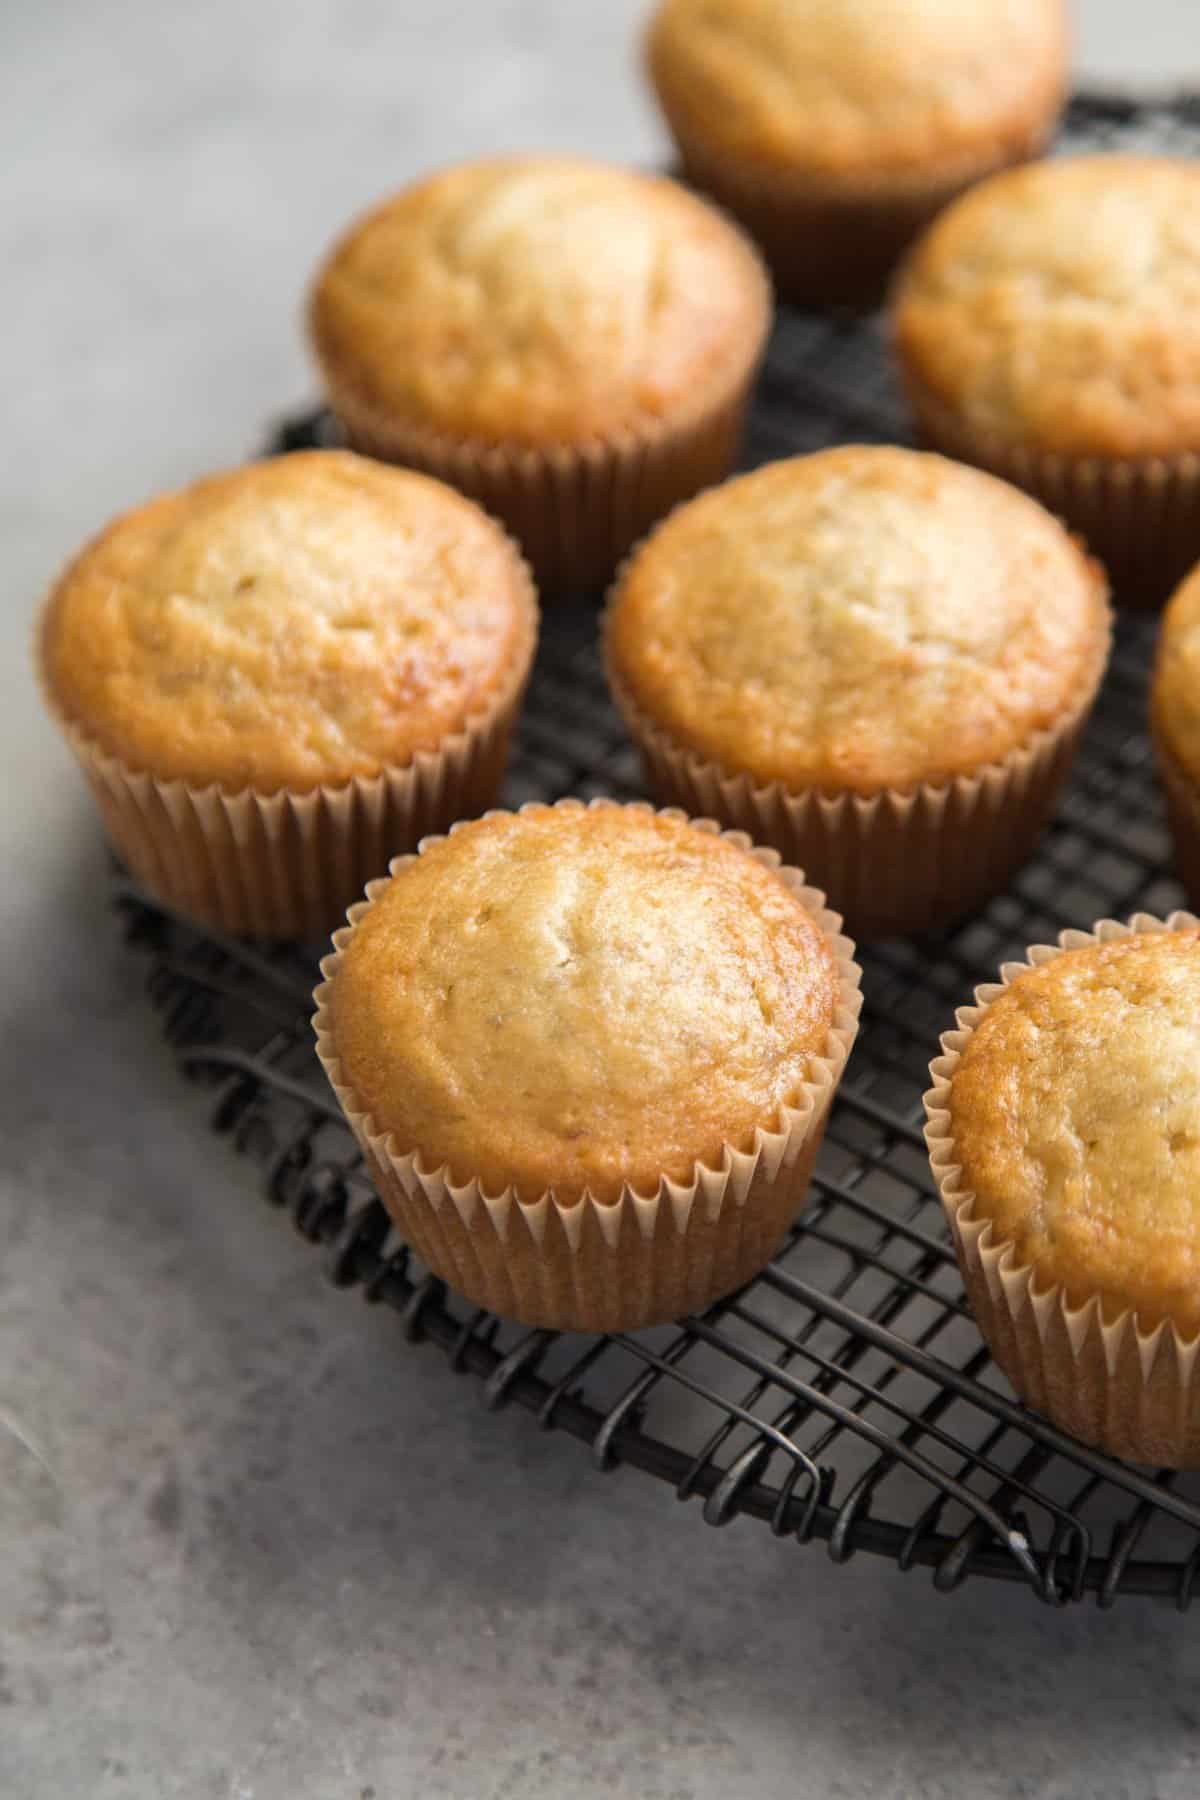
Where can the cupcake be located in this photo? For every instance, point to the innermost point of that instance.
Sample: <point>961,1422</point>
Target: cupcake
<point>571,344</point>
<point>277,678</point>
<point>1048,328</point>
<point>1064,1130</point>
<point>873,659</point>
<point>1175,725</point>
<point>588,1053</point>
<point>836,129</point>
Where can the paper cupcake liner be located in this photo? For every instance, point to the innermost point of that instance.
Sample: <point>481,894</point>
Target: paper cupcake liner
<point>595,1265</point>
<point>288,864</point>
<point>1140,516</point>
<point>891,862</point>
<point>1133,1393</point>
<point>575,509</point>
<point>829,242</point>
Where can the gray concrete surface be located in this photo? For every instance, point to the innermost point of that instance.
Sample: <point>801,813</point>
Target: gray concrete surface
<point>250,1547</point>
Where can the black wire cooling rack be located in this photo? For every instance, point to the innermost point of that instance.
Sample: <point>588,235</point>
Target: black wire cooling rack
<point>845,1395</point>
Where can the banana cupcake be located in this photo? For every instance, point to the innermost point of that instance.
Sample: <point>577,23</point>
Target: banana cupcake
<point>876,660</point>
<point>836,129</point>
<point>1048,328</point>
<point>1175,725</point>
<point>572,344</point>
<point>277,678</point>
<point>588,1053</point>
<point>1064,1131</point>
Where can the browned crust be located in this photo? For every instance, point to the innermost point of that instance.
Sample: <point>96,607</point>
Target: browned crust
<point>797,154</point>
<point>1020,353</point>
<point>543,396</point>
<point>96,674</point>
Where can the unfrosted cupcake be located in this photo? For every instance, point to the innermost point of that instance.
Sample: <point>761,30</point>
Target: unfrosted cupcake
<point>876,660</point>
<point>277,678</point>
<point>1064,1129</point>
<point>1048,328</point>
<point>835,129</point>
<point>571,343</point>
<point>588,1053</point>
<point>1175,723</point>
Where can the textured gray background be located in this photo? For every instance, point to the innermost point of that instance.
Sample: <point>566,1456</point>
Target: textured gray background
<point>249,1547</point>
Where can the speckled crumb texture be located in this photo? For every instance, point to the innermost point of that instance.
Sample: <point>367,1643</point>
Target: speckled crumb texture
<point>861,619</point>
<point>294,623</point>
<point>1056,308</point>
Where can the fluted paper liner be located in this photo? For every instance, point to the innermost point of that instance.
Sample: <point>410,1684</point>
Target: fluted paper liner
<point>287,864</point>
<point>1133,1393</point>
<point>895,861</point>
<point>596,1265</point>
<point>826,241</point>
<point>575,508</point>
<point>1139,515</point>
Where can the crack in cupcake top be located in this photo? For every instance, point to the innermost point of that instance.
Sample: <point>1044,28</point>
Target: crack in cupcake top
<point>300,621</point>
<point>862,618</point>
<point>839,87</point>
<point>572,998</point>
<point>1059,306</point>
<point>538,300</point>
<point>1075,1114</point>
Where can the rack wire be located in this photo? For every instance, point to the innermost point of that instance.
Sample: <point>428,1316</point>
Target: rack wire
<point>845,1394</point>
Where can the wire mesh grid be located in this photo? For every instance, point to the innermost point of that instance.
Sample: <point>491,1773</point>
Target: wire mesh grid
<point>845,1394</point>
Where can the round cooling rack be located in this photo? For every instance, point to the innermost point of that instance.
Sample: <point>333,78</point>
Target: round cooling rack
<point>845,1394</point>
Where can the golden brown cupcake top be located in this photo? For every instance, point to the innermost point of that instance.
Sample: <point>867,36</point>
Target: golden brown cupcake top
<point>1059,306</point>
<point>1075,1113</point>
<point>539,300</point>
<point>853,89</point>
<point>1175,701</point>
<point>859,619</point>
<point>297,622</point>
<point>581,997</point>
